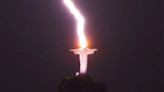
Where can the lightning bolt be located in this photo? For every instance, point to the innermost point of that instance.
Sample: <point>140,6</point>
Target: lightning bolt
<point>80,22</point>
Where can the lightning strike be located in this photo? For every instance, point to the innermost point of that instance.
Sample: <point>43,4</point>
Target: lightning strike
<point>83,51</point>
<point>80,22</point>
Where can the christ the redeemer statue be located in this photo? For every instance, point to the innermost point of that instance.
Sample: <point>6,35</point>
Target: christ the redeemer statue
<point>83,54</point>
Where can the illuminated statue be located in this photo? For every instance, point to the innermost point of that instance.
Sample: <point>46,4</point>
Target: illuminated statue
<point>83,55</point>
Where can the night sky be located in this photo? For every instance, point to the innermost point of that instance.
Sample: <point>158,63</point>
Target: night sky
<point>36,36</point>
